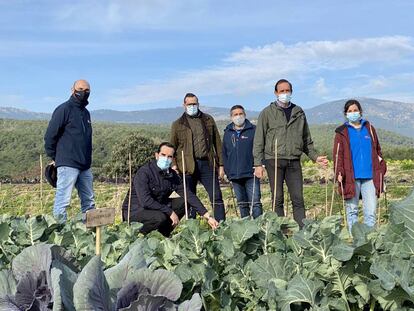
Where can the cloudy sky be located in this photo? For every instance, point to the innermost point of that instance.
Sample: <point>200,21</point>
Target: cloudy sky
<point>146,54</point>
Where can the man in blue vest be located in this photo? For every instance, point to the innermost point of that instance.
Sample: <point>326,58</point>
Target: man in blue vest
<point>238,162</point>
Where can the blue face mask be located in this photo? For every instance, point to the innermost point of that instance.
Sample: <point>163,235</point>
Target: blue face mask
<point>353,116</point>
<point>164,163</point>
<point>191,110</point>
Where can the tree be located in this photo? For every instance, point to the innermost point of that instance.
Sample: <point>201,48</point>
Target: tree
<point>142,151</point>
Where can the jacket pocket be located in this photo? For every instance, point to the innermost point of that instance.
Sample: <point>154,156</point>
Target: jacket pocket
<point>278,132</point>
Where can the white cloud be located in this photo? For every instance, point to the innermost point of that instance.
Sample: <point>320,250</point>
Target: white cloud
<point>253,69</point>
<point>116,16</point>
<point>320,88</point>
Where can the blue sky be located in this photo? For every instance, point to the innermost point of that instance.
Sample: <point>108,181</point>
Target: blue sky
<point>148,53</point>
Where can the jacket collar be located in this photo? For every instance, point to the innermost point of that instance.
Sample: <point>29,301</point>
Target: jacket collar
<point>77,102</point>
<point>184,121</point>
<point>341,129</point>
<point>161,173</point>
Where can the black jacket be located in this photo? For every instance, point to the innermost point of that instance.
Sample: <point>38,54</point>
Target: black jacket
<point>68,139</point>
<point>238,151</point>
<point>151,189</point>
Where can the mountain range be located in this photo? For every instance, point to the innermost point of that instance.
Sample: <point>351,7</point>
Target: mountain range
<point>389,115</point>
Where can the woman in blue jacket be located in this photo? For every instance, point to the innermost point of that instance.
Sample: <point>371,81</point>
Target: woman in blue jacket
<point>238,162</point>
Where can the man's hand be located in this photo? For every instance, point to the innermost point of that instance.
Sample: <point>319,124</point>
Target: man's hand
<point>340,178</point>
<point>175,168</point>
<point>323,161</point>
<point>174,218</point>
<point>211,221</point>
<point>52,162</point>
<point>258,171</point>
<point>221,172</point>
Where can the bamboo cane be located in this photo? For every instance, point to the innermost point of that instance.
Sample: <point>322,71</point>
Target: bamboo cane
<point>185,186</point>
<point>232,196</point>
<point>41,183</point>
<point>385,197</point>
<point>254,188</point>
<point>275,181</point>
<point>214,184</point>
<point>379,200</point>
<point>130,188</point>
<point>286,201</point>
<point>343,207</point>
<point>334,180</point>
<point>326,191</point>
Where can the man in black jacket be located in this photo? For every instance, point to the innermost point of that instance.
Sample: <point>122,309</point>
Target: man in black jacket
<point>68,141</point>
<point>152,187</point>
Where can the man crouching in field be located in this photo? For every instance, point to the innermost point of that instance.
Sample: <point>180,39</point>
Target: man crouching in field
<point>68,141</point>
<point>152,186</point>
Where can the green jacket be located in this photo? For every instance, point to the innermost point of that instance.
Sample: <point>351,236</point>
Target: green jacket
<point>293,138</point>
<point>182,139</point>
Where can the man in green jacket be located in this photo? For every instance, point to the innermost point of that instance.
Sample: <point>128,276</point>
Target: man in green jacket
<point>197,135</point>
<point>283,124</point>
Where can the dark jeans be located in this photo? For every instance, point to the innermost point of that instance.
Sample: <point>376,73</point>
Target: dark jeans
<point>291,172</point>
<point>203,173</point>
<point>243,188</point>
<point>157,220</point>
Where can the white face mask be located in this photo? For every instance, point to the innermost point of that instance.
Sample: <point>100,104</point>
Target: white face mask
<point>238,120</point>
<point>191,110</point>
<point>284,98</point>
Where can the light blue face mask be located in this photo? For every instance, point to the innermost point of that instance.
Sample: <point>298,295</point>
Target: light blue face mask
<point>353,116</point>
<point>191,110</point>
<point>164,163</point>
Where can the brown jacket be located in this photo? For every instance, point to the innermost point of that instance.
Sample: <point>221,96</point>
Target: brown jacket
<point>182,139</point>
<point>344,164</point>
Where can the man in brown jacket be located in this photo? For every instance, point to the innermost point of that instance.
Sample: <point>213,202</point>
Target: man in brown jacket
<point>197,135</point>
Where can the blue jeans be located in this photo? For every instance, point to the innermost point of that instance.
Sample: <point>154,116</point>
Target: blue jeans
<point>203,173</point>
<point>243,188</point>
<point>366,188</point>
<point>67,178</point>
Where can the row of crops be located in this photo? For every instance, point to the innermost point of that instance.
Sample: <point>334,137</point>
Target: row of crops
<point>261,264</point>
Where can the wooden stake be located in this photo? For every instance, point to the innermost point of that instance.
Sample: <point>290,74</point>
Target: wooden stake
<point>130,188</point>
<point>41,183</point>
<point>275,181</point>
<point>98,239</point>
<point>334,180</point>
<point>185,186</point>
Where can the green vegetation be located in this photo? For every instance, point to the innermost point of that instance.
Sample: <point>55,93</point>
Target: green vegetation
<point>261,264</point>
<point>21,143</point>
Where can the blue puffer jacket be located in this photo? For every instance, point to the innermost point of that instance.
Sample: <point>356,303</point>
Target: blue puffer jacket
<point>238,151</point>
<point>68,139</point>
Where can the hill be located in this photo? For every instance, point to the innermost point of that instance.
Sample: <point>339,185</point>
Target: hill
<point>151,116</point>
<point>22,141</point>
<point>389,115</point>
<point>385,114</point>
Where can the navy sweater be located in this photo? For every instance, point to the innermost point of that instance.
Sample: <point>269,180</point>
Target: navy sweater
<point>68,138</point>
<point>238,151</point>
